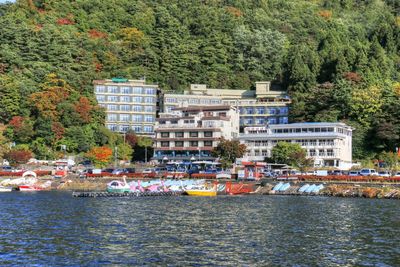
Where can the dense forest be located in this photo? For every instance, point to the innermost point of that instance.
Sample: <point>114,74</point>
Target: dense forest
<point>338,59</point>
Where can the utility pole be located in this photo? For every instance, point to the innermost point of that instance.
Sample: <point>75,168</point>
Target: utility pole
<point>145,154</point>
<point>116,156</point>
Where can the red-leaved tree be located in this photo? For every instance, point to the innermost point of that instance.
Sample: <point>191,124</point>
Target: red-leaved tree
<point>18,156</point>
<point>100,156</point>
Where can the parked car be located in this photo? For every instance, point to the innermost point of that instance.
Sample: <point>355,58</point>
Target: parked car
<point>130,170</point>
<point>6,168</point>
<point>368,172</point>
<point>161,170</point>
<point>118,171</point>
<point>149,170</point>
<point>354,173</point>
<point>108,170</point>
<point>384,173</point>
<point>397,174</point>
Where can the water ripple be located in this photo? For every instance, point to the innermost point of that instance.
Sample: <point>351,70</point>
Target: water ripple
<point>54,229</point>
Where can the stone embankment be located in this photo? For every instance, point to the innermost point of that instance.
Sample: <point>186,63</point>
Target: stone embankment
<point>339,190</point>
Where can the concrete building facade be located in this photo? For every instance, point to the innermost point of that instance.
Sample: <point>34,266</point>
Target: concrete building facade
<point>191,133</point>
<point>259,107</point>
<point>329,144</point>
<point>129,104</point>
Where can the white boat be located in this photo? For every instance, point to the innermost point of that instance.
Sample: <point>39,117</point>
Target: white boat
<point>5,189</point>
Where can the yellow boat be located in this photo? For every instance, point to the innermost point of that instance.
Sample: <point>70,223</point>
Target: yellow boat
<point>203,192</point>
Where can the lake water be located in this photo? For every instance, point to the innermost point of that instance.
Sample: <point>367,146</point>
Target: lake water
<point>55,229</point>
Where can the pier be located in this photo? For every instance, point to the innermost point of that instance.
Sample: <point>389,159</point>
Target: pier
<point>131,194</point>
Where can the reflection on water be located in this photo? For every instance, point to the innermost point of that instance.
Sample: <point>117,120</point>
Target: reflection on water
<point>52,228</point>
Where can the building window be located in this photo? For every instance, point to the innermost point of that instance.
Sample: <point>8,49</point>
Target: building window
<point>150,91</point>
<point>215,101</point>
<point>124,117</point>
<point>284,110</point>
<point>112,107</point>
<point>248,121</point>
<point>126,90</point>
<point>125,108</point>
<point>207,143</point>
<point>194,143</point>
<point>101,98</point>
<point>260,121</point>
<point>112,117</point>
<point>148,129</point>
<point>148,118</point>
<point>168,109</point>
<point>136,118</point>
<point>125,99</point>
<point>170,100</point>
<point>148,108</point>
<point>137,108</point>
<point>165,134</point>
<point>100,89</point>
<point>112,98</point>
<point>112,127</point>
<point>260,110</point>
<point>137,90</point>
<point>137,128</point>
<point>179,134</point>
<point>193,101</point>
<point>329,152</point>
<point>113,89</point>
<point>208,134</point>
<point>137,99</point>
<point>149,99</point>
<point>124,128</point>
<point>249,111</point>
<point>312,152</point>
<point>272,120</point>
<point>165,144</point>
<point>179,143</point>
<point>193,134</point>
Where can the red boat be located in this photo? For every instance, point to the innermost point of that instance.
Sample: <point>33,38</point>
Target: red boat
<point>239,188</point>
<point>30,188</point>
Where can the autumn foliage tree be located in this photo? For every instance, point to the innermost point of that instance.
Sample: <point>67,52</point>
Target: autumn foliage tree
<point>83,108</point>
<point>100,156</point>
<point>18,156</point>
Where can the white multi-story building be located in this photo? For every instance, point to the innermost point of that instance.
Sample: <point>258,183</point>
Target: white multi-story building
<point>329,144</point>
<point>129,104</point>
<point>192,132</point>
<point>257,107</point>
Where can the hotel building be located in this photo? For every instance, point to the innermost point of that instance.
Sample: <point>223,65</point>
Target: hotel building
<point>329,144</point>
<point>259,107</point>
<point>191,133</point>
<point>129,104</point>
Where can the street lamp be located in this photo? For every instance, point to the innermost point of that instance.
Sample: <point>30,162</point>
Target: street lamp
<point>199,153</point>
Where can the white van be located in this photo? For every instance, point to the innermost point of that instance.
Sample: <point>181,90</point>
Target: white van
<point>368,172</point>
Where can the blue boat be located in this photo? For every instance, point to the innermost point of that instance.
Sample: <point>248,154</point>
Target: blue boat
<point>284,187</point>
<point>310,188</point>
<point>318,188</point>
<point>303,188</point>
<point>277,187</point>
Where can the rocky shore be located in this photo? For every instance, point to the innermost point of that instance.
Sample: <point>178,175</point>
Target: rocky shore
<point>339,190</point>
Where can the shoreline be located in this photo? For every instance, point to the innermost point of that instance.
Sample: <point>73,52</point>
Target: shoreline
<point>331,188</point>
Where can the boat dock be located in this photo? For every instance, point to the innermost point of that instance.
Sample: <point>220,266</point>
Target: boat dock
<point>131,194</point>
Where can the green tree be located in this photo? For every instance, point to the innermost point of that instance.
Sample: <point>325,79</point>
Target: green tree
<point>292,154</point>
<point>229,150</point>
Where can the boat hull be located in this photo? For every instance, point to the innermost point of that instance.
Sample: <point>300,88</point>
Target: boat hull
<point>202,193</point>
<point>27,188</point>
<point>5,189</point>
<point>118,190</point>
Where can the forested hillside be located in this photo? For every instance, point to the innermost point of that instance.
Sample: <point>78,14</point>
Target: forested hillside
<point>339,60</point>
